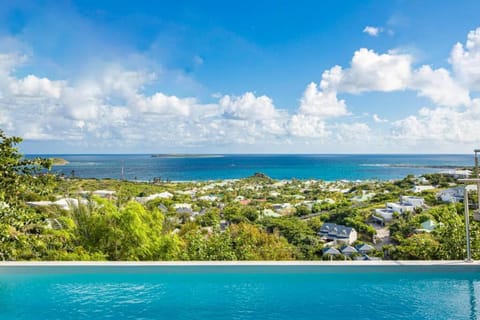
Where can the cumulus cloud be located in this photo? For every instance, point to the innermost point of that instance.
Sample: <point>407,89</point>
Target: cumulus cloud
<point>351,132</point>
<point>439,86</point>
<point>112,107</point>
<point>321,103</point>
<point>377,119</point>
<point>372,31</point>
<point>441,125</point>
<point>307,127</point>
<point>248,106</point>
<point>370,71</point>
<point>465,60</point>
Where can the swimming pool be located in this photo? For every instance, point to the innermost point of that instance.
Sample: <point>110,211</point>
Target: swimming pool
<point>240,291</point>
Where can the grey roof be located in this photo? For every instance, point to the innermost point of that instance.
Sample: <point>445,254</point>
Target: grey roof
<point>162,207</point>
<point>348,250</point>
<point>184,210</point>
<point>331,251</point>
<point>335,230</point>
<point>365,247</point>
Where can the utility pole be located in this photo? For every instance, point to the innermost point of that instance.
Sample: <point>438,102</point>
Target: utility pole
<point>123,176</point>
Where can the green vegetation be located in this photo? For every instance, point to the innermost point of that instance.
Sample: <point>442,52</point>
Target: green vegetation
<point>48,217</point>
<point>58,161</point>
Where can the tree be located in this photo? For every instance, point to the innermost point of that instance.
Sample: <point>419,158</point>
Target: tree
<point>16,172</point>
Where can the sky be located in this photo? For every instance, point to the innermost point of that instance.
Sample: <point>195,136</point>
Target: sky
<point>334,76</point>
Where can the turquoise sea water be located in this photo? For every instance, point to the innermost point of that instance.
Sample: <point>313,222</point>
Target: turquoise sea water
<point>326,167</point>
<point>286,294</point>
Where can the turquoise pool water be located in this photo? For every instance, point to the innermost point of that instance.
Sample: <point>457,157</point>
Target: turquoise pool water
<point>236,293</point>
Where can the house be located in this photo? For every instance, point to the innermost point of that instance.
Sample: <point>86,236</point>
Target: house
<point>418,189</point>
<point>331,251</point>
<point>338,233</point>
<point>364,197</point>
<point>108,194</point>
<point>183,208</point>
<point>63,203</point>
<point>457,173</point>
<point>281,206</point>
<point>162,195</point>
<point>416,202</point>
<point>384,214</point>
<point>364,248</point>
<point>454,195</point>
<point>406,204</point>
<point>208,198</point>
<point>270,213</point>
<point>348,250</point>
<point>162,208</point>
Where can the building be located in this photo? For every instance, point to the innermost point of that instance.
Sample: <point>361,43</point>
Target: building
<point>416,202</point>
<point>162,195</point>
<point>418,189</point>
<point>406,204</point>
<point>457,173</point>
<point>338,233</point>
<point>364,248</point>
<point>454,195</point>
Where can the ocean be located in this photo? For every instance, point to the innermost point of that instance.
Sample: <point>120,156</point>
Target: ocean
<point>328,167</point>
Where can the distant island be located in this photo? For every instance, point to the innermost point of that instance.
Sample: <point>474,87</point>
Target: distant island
<point>58,161</point>
<point>182,155</point>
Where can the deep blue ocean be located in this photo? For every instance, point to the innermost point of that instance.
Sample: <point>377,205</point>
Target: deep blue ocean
<point>327,167</point>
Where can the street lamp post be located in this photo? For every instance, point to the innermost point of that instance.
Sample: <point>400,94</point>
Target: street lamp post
<point>477,174</point>
<point>467,215</point>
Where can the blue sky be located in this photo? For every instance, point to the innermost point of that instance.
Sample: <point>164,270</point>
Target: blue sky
<point>241,77</point>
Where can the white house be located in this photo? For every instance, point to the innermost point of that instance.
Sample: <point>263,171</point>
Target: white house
<point>208,198</point>
<point>457,173</point>
<point>416,202</point>
<point>162,195</point>
<point>418,189</point>
<point>454,195</point>
<point>104,193</point>
<point>385,214</point>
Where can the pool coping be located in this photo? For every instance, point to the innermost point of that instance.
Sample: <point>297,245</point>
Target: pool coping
<point>238,267</point>
<point>396,263</point>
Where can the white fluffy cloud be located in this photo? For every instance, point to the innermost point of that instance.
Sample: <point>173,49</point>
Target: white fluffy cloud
<point>248,106</point>
<point>439,87</point>
<point>441,125</point>
<point>465,60</point>
<point>370,71</point>
<point>307,127</point>
<point>111,107</point>
<point>392,71</point>
<point>372,31</point>
<point>321,103</point>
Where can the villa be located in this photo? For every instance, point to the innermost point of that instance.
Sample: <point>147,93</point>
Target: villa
<point>406,204</point>
<point>418,189</point>
<point>108,194</point>
<point>338,233</point>
<point>63,203</point>
<point>457,173</point>
<point>162,195</point>
<point>454,195</point>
